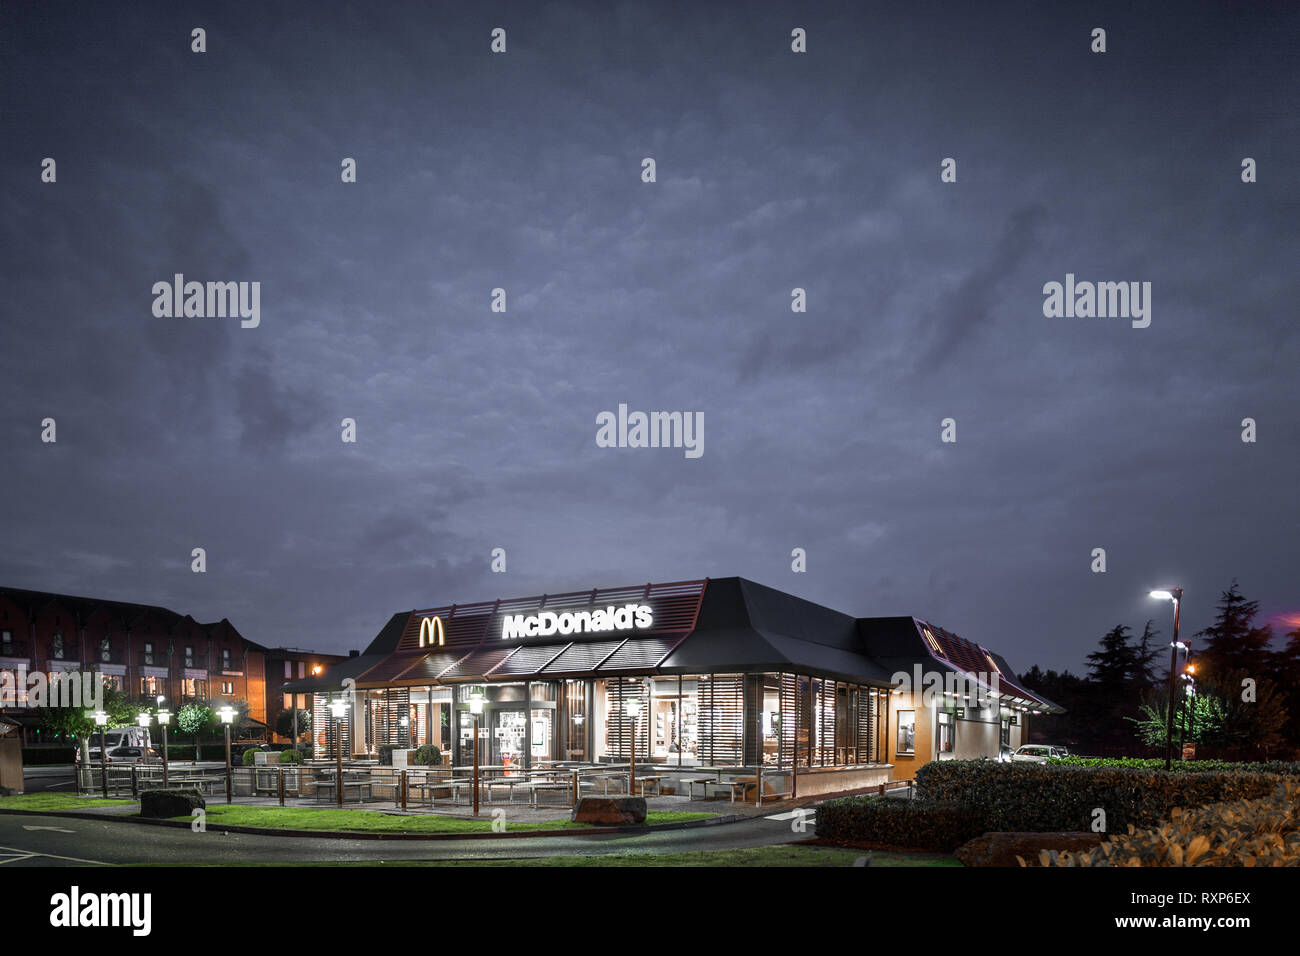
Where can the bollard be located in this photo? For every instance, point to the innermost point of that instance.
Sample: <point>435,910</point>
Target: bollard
<point>281,786</point>
<point>403,789</point>
<point>135,782</point>
<point>576,791</point>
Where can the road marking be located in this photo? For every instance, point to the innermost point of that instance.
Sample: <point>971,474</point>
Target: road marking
<point>54,829</point>
<point>807,815</point>
<point>52,856</point>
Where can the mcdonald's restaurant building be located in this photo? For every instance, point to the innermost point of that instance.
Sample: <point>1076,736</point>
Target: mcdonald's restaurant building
<point>724,672</point>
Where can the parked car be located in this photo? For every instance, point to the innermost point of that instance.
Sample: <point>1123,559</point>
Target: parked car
<point>115,739</point>
<point>128,755</point>
<point>1037,753</point>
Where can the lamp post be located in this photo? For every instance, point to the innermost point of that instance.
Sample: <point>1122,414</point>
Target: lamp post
<point>142,720</point>
<point>1176,596</point>
<point>632,707</point>
<point>101,721</point>
<point>1189,707</point>
<point>164,715</point>
<point>476,708</point>
<point>227,714</point>
<point>338,706</point>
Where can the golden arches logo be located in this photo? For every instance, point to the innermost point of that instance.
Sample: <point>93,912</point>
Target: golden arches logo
<point>431,630</point>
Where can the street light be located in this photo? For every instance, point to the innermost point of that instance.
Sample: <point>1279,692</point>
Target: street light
<point>476,708</point>
<point>164,715</point>
<point>101,721</point>
<point>227,714</point>
<point>339,707</point>
<point>1176,596</point>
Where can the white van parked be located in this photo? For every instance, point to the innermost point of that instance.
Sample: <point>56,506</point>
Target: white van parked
<point>134,737</point>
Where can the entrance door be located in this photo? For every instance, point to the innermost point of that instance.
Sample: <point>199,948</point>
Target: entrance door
<point>508,728</point>
<point>543,728</point>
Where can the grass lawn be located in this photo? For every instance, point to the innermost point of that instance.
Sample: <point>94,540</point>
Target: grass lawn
<point>368,821</point>
<point>768,856</point>
<point>56,801</point>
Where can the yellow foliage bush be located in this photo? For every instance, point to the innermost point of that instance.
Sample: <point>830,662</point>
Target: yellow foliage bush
<point>1260,832</point>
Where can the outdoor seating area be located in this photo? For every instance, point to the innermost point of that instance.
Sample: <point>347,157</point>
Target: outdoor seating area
<point>366,783</point>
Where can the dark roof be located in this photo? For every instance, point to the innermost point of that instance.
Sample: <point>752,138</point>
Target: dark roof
<point>34,602</point>
<point>741,627</point>
<point>746,626</point>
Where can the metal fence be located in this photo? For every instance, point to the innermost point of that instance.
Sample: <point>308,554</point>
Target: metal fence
<point>364,783</point>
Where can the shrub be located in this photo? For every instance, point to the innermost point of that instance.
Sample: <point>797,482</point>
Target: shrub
<point>1284,768</point>
<point>1261,832</point>
<point>1051,797</point>
<point>250,755</point>
<point>290,756</point>
<point>427,756</point>
<point>905,824</point>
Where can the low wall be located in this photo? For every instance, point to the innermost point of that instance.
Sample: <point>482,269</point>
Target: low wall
<point>814,781</point>
<point>11,764</point>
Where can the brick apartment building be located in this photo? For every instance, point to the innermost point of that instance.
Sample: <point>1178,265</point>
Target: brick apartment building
<point>144,651</point>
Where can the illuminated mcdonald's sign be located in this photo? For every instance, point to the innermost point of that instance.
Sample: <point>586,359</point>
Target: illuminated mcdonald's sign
<point>432,633</point>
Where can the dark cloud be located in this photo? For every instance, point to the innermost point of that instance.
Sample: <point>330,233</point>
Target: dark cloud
<point>476,429</point>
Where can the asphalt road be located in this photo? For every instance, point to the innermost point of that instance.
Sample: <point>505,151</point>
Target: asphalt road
<point>58,841</point>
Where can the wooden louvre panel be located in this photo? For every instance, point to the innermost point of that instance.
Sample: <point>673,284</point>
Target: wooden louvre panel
<point>722,719</point>
<point>427,668</point>
<point>622,734</point>
<point>826,724</point>
<point>478,663</point>
<point>582,657</point>
<point>639,653</point>
<point>529,660</point>
<point>325,729</point>
<point>789,717</point>
<point>866,729</point>
<point>387,709</point>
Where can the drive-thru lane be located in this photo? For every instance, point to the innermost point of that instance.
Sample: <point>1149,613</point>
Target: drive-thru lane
<point>51,841</point>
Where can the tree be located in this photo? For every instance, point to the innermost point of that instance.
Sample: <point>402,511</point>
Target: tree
<point>284,723</point>
<point>1201,715</point>
<point>1232,642</point>
<point>193,719</point>
<point>1148,655</point>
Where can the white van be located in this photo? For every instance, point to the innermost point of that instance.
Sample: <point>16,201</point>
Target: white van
<point>115,738</point>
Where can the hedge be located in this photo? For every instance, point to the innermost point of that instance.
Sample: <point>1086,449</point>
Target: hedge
<point>1049,797</point>
<point>1287,769</point>
<point>1263,832</point>
<point>904,824</point>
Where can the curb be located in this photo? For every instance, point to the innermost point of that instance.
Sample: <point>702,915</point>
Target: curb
<point>346,835</point>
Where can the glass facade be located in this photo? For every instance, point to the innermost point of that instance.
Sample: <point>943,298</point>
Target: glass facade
<point>707,720</point>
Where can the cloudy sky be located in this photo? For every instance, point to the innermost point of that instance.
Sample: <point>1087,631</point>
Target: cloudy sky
<point>775,170</point>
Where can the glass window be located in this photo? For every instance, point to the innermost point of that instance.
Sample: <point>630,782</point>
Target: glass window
<point>105,648</point>
<point>57,645</point>
<point>148,653</point>
<point>189,655</point>
<point>906,732</point>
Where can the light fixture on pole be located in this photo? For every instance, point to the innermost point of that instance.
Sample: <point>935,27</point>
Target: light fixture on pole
<point>338,707</point>
<point>1176,596</point>
<point>632,707</point>
<point>164,715</point>
<point>101,721</point>
<point>227,715</point>
<point>476,708</point>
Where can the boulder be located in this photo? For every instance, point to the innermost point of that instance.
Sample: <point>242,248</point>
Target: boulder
<point>609,810</point>
<point>164,804</point>
<point>1001,849</point>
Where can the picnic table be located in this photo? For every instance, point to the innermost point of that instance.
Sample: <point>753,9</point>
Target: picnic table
<point>327,785</point>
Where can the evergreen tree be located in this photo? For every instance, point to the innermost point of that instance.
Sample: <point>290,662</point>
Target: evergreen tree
<point>1232,642</point>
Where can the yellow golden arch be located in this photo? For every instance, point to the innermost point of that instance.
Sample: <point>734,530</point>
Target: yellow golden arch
<point>432,630</point>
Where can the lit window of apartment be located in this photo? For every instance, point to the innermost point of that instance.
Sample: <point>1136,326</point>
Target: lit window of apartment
<point>228,688</point>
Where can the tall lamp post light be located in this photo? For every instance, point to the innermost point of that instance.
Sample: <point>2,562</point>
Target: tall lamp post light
<point>164,715</point>
<point>475,709</point>
<point>1176,596</point>
<point>101,721</point>
<point>143,720</point>
<point>1189,707</point>
<point>227,715</point>
<point>338,707</point>
<point>632,707</point>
